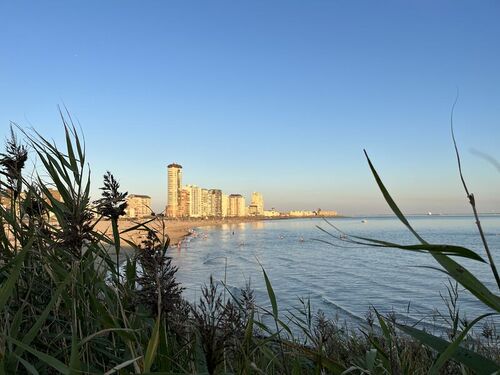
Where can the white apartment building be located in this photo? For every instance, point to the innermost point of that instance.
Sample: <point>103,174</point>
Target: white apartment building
<point>138,206</point>
<point>225,205</point>
<point>174,182</point>
<point>236,205</point>
<point>258,203</point>
<point>195,204</point>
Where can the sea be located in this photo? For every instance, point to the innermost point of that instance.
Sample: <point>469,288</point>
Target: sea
<point>341,279</point>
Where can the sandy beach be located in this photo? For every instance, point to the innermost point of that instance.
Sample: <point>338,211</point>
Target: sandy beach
<point>176,230</point>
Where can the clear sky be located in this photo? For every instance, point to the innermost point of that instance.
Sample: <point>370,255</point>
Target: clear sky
<point>279,97</point>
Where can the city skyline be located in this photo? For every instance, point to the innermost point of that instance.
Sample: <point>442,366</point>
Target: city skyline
<point>192,201</point>
<point>286,94</point>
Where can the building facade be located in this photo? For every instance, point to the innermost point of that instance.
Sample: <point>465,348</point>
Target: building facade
<point>237,205</point>
<point>205,203</point>
<point>215,202</point>
<point>185,202</point>
<point>257,206</point>
<point>174,183</point>
<point>138,206</point>
<point>225,205</point>
<point>195,209</point>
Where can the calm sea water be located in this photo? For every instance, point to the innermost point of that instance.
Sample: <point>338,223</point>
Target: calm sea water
<point>343,282</point>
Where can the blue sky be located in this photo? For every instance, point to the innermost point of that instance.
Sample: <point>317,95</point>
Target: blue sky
<point>273,96</point>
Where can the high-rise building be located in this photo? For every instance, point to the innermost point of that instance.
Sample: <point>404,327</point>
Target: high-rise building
<point>185,202</point>
<point>138,206</point>
<point>236,205</point>
<point>174,181</point>
<point>215,202</point>
<point>257,206</point>
<point>205,203</point>
<point>224,205</point>
<point>194,201</point>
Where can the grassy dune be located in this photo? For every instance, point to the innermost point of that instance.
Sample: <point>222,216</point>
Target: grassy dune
<point>66,307</point>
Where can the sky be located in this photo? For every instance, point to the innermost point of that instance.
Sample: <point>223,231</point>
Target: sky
<point>279,97</point>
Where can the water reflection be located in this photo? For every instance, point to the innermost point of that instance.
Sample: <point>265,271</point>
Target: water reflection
<point>257,225</point>
<point>342,281</point>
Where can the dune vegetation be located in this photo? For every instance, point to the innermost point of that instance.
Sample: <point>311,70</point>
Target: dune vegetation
<point>67,306</point>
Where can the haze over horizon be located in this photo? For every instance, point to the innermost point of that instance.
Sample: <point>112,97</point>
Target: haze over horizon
<point>279,98</point>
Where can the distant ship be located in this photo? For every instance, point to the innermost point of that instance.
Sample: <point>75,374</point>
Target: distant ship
<point>429,213</point>
<point>363,221</point>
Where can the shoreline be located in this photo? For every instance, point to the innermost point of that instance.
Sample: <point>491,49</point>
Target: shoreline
<point>178,229</point>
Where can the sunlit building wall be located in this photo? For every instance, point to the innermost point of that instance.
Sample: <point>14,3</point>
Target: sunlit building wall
<point>301,213</point>
<point>205,203</point>
<point>258,202</point>
<point>185,202</point>
<point>215,202</point>
<point>327,213</point>
<point>225,205</point>
<point>194,201</point>
<point>174,181</point>
<point>271,213</point>
<point>237,205</point>
<point>138,206</point>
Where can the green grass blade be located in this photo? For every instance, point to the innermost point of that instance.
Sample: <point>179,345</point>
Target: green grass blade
<point>469,281</point>
<point>35,329</point>
<point>152,346</point>
<point>122,365</point>
<point>7,287</point>
<point>459,273</point>
<point>49,360</point>
<point>74,361</point>
<point>390,201</point>
<point>28,366</point>
<point>270,293</point>
<point>462,355</point>
<point>475,362</point>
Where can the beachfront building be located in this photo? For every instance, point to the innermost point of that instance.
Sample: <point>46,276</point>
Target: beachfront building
<point>271,213</point>
<point>252,210</point>
<point>205,203</point>
<point>6,199</point>
<point>301,213</point>
<point>185,202</point>
<point>215,202</point>
<point>257,206</point>
<point>138,206</point>
<point>326,213</point>
<point>237,205</point>
<point>174,181</point>
<point>224,205</point>
<point>195,209</point>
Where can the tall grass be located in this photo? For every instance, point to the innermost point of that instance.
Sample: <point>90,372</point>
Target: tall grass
<point>66,305</point>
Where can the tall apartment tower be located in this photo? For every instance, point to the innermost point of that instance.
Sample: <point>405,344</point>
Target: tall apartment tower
<point>215,202</point>
<point>195,206</point>
<point>224,205</point>
<point>185,202</point>
<point>258,202</point>
<point>174,182</point>
<point>236,205</point>
<point>205,203</point>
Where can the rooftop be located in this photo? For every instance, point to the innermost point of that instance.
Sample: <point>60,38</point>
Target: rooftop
<point>174,165</point>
